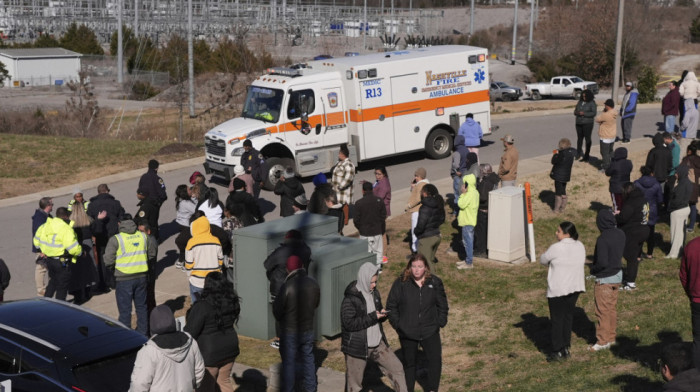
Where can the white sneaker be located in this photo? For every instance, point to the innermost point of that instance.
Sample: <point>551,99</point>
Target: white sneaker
<point>461,262</point>
<point>599,347</point>
<point>465,266</point>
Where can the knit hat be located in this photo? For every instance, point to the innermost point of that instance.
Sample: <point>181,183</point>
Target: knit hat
<point>238,184</point>
<point>162,320</point>
<point>238,170</point>
<point>609,103</point>
<point>421,172</point>
<point>319,179</point>
<point>293,263</point>
<point>193,177</point>
<point>508,139</point>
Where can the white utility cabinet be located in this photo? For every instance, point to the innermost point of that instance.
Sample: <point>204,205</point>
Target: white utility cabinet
<point>506,236</point>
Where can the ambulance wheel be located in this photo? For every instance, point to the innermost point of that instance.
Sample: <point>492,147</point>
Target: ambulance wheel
<point>438,145</point>
<point>274,168</point>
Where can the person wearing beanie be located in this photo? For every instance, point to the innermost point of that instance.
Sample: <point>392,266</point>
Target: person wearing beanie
<point>508,168</point>
<point>361,317</point>
<point>370,220</point>
<point>288,187</point>
<point>300,204</point>
<point>342,180</point>
<point>294,308</point>
<point>607,132</point>
<point>628,110</point>
<point>240,173</point>
<point>170,360</point>
<point>126,256</point>
<point>254,164</point>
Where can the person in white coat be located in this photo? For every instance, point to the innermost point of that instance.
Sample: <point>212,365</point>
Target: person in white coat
<point>565,281</point>
<point>170,360</point>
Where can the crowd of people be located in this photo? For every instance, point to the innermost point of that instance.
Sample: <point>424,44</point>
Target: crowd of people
<point>95,246</point>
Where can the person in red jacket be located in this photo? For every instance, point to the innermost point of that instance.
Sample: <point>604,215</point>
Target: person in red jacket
<point>690,280</point>
<point>669,106</point>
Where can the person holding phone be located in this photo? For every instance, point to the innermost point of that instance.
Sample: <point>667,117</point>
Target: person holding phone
<point>363,338</point>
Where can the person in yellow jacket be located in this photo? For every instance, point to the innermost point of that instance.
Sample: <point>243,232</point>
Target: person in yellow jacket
<point>468,203</point>
<point>57,240</point>
<point>126,258</point>
<point>203,254</point>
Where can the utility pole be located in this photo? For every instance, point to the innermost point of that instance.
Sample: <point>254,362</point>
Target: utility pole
<point>471,20</point>
<point>366,29</point>
<point>120,48</point>
<point>618,49</point>
<point>190,58</point>
<point>532,24</point>
<point>515,34</point>
<point>136,18</point>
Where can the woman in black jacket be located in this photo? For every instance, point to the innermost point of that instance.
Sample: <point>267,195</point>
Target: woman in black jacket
<point>430,216</point>
<point>211,322</point>
<point>562,160</point>
<point>585,112</point>
<point>361,315</point>
<point>417,309</point>
<point>633,220</point>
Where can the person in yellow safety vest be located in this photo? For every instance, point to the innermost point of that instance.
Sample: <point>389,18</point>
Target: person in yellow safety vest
<point>78,199</point>
<point>57,240</point>
<point>126,258</point>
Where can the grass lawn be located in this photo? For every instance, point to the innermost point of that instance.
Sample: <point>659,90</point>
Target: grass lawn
<point>30,163</point>
<point>498,329</point>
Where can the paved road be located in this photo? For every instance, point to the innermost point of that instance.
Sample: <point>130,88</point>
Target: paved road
<point>535,134</point>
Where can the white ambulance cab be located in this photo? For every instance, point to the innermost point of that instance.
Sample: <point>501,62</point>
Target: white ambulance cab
<point>380,105</point>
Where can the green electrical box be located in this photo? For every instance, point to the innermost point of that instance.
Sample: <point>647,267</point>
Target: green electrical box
<point>335,262</point>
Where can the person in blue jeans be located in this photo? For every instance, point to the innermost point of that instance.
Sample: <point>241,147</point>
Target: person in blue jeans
<point>126,255</point>
<point>458,168</point>
<point>468,203</point>
<point>294,309</point>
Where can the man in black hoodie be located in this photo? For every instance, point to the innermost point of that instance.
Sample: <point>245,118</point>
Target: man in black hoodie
<point>660,159</point>
<point>633,219</point>
<point>607,269</point>
<point>679,209</point>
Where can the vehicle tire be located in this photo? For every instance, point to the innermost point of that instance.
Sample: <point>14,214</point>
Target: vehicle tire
<point>536,96</point>
<point>273,168</point>
<point>577,94</point>
<point>438,145</point>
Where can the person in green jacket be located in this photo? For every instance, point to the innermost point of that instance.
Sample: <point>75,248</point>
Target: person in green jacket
<point>468,203</point>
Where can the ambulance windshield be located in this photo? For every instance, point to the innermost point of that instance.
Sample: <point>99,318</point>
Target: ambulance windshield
<point>263,104</point>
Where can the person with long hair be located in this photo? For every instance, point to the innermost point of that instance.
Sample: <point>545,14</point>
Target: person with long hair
<point>382,189</point>
<point>565,281</point>
<point>585,112</point>
<point>212,207</point>
<point>431,215</point>
<point>417,308</point>
<point>211,321</point>
<point>185,207</point>
<point>83,272</point>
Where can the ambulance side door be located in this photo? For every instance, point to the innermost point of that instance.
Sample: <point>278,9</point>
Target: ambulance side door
<point>335,126</point>
<point>406,112</point>
<point>377,123</point>
<point>304,113</point>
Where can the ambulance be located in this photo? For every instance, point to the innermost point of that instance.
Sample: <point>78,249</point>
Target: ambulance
<point>379,105</point>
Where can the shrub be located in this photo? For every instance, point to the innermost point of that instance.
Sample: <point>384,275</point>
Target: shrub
<point>542,67</point>
<point>646,85</point>
<point>695,30</point>
<point>141,91</point>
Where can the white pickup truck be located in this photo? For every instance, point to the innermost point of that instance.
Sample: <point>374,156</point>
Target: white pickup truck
<point>560,86</point>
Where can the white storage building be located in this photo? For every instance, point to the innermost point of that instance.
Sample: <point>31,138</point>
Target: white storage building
<point>40,66</point>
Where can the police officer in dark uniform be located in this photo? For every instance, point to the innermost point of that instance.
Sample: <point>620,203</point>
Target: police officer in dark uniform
<point>149,212</point>
<point>253,163</point>
<point>154,187</point>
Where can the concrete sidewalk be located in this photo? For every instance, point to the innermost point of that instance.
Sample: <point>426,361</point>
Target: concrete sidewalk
<point>172,286</point>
